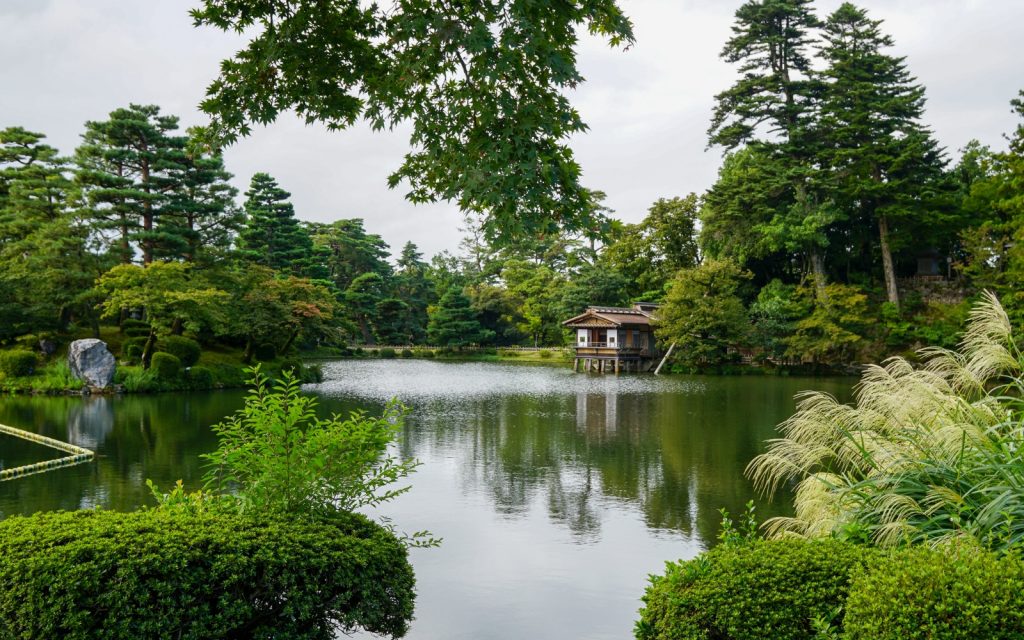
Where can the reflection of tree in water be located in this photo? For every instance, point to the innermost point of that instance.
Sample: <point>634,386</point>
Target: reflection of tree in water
<point>676,458</point>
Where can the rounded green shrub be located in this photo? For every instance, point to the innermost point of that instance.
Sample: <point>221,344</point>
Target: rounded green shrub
<point>200,378</point>
<point>509,353</point>
<point>294,365</point>
<point>132,348</point>
<point>425,353</point>
<point>407,353</point>
<point>545,353</point>
<point>170,573</point>
<point>165,366</point>
<point>764,589</point>
<point>922,593</point>
<point>17,362</point>
<point>265,352</point>
<point>387,352</point>
<point>185,349</point>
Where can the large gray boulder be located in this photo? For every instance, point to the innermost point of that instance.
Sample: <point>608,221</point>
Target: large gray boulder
<point>91,362</point>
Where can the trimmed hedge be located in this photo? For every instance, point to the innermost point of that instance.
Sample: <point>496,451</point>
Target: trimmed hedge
<point>185,349</point>
<point>132,348</point>
<point>387,352</point>
<point>165,366</point>
<point>407,353</point>
<point>763,589</point>
<point>952,594</point>
<point>17,363</point>
<point>200,378</point>
<point>173,574</point>
<point>135,328</point>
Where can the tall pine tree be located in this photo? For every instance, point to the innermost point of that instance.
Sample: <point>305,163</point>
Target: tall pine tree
<point>272,235</point>
<point>881,161</point>
<point>123,170</point>
<point>772,106</point>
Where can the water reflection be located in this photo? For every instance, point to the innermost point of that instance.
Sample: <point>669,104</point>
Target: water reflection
<point>556,493</point>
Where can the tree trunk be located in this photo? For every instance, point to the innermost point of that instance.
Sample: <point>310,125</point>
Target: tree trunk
<point>364,328</point>
<point>249,346</point>
<point>177,327</point>
<point>147,219</point>
<point>818,273</point>
<point>288,342</point>
<point>887,266</point>
<point>147,351</point>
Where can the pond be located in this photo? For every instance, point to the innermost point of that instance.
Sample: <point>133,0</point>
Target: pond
<point>556,493</point>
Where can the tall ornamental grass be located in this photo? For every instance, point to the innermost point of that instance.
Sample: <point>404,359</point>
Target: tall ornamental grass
<point>925,454</point>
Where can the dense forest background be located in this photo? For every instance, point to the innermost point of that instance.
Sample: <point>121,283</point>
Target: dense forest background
<point>838,231</point>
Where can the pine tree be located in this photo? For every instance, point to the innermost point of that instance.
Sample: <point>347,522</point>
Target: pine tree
<point>43,254</point>
<point>272,236</point>
<point>123,170</point>
<point>453,322</point>
<point>878,155</point>
<point>200,212</point>
<point>772,106</point>
<point>414,289</point>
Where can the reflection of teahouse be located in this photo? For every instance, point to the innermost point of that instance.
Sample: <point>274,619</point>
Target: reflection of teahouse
<point>615,338</point>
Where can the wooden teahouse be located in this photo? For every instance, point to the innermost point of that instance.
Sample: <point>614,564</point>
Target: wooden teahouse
<point>615,338</point>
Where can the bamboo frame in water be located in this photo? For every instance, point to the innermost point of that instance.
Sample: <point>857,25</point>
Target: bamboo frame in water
<point>78,454</point>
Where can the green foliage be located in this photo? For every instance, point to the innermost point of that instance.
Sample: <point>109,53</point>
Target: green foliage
<point>165,366</point>
<point>484,91</point>
<point>282,458</point>
<point>750,591</point>
<point>387,352</point>
<point>703,313</point>
<point>545,354</point>
<point>834,331</point>
<point>425,353</point>
<point>132,348</point>
<point>16,363</point>
<point>185,349</point>
<point>265,352</point>
<point>200,378</point>
<point>172,573</point>
<point>135,328</point>
<point>956,593</point>
<point>407,353</point>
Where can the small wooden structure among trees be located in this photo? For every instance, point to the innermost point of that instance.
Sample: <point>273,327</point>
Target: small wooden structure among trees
<point>615,338</point>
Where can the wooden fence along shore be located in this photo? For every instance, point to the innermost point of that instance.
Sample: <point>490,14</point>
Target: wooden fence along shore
<point>423,347</point>
<point>77,454</point>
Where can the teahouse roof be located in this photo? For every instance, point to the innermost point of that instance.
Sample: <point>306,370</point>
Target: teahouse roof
<point>595,317</point>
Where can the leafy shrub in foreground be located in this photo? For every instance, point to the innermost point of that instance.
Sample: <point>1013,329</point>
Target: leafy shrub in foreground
<point>185,349</point>
<point>17,363</point>
<point>762,589</point>
<point>173,574</point>
<point>165,366</point>
<point>935,594</point>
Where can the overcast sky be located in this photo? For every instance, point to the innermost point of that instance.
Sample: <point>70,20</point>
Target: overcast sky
<point>68,61</point>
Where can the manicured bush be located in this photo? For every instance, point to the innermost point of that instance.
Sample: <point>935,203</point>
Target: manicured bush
<point>200,378</point>
<point>387,352</point>
<point>509,353</point>
<point>165,366</point>
<point>265,352</point>
<point>185,349</point>
<point>407,353</point>
<point>17,363</point>
<point>544,353</point>
<point>937,594</point>
<point>171,573</point>
<point>763,589</point>
<point>132,348</point>
<point>135,328</point>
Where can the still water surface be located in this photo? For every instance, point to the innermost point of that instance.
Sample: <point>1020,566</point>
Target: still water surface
<point>556,493</point>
